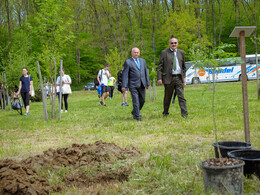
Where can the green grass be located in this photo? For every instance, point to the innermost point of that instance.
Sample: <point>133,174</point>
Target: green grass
<point>171,148</point>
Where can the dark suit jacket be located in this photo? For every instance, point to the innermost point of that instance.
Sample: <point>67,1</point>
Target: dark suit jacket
<point>164,70</point>
<point>135,76</point>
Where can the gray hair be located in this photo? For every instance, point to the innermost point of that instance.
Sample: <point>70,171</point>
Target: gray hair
<point>135,48</point>
<point>173,38</point>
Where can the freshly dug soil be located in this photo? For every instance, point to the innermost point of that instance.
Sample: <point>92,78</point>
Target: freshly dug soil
<point>80,155</point>
<point>221,162</point>
<point>16,178</point>
<point>87,164</point>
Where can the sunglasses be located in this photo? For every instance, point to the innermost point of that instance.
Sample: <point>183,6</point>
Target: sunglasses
<point>174,42</point>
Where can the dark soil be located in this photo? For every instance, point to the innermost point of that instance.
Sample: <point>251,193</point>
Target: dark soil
<point>221,162</point>
<point>88,165</point>
<point>16,178</point>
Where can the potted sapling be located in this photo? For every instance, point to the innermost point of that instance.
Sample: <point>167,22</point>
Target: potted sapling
<point>221,174</point>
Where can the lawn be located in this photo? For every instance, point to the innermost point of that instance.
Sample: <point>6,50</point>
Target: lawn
<point>171,148</point>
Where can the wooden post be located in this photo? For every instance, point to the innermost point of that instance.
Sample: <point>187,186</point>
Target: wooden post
<point>257,75</point>
<point>43,94</point>
<point>53,93</point>
<point>4,97</point>
<point>1,99</point>
<point>8,102</point>
<point>244,85</point>
<point>60,89</point>
<point>154,87</point>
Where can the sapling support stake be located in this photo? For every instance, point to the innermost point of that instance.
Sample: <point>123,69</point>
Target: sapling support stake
<point>60,96</point>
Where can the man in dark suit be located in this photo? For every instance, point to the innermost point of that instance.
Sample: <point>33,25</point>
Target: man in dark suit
<point>136,74</point>
<point>171,72</point>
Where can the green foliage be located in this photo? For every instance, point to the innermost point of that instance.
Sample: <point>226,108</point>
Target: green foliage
<point>87,34</point>
<point>116,61</point>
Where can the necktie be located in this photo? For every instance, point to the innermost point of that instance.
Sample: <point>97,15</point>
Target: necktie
<point>138,63</point>
<point>174,61</point>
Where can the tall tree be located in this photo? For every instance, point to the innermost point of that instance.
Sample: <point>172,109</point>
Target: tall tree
<point>213,23</point>
<point>220,24</point>
<point>9,25</point>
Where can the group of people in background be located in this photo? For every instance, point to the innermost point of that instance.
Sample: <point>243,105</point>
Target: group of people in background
<point>26,89</point>
<point>105,84</point>
<point>171,72</point>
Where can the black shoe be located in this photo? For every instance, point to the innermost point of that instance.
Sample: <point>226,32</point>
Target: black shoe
<point>185,116</point>
<point>165,115</point>
<point>138,119</point>
<point>104,105</point>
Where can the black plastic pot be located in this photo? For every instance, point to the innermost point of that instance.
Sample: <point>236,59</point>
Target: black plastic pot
<point>251,159</point>
<point>227,146</point>
<point>228,179</point>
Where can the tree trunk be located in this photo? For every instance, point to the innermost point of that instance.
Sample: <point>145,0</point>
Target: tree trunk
<point>213,23</point>
<point>166,5</point>
<point>109,22</point>
<point>173,5</point>
<point>197,9</point>
<point>248,17</point>
<point>130,21</point>
<point>236,11</point>
<point>78,64</point>
<point>118,27</point>
<point>154,45</point>
<point>9,25</point>
<point>207,18</point>
<point>141,23</point>
<point>99,27</point>
<point>220,24</point>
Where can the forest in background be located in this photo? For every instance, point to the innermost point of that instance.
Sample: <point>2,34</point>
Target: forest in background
<point>86,34</point>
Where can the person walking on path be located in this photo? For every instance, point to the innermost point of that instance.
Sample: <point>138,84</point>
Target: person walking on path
<point>136,74</point>
<point>171,72</point>
<point>102,77</point>
<point>65,89</point>
<point>25,88</point>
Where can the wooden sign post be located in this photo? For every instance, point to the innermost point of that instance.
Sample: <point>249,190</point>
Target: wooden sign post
<point>242,32</point>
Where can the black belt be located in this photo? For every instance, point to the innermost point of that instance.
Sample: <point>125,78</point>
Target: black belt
<point>175,75</point>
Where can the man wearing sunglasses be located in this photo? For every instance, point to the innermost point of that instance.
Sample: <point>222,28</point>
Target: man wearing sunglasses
<point>171,72</point>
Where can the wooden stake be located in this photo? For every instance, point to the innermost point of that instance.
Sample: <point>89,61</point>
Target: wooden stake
<point>4,101</point>
<point>60,89</point>
<point>43,94</point>
<point>8,102</point>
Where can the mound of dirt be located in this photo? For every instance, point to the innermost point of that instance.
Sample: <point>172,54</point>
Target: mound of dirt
<point>88,164</point>
<point>16,178</point>
<point>80,155</point>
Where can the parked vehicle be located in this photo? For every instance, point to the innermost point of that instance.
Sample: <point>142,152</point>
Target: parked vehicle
<point>225,72</point>
<point>90,86</point>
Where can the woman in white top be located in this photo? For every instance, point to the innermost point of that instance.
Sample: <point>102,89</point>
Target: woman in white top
<point>65,89</point>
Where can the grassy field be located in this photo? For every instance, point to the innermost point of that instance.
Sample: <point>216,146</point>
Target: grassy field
<point>171,147</point>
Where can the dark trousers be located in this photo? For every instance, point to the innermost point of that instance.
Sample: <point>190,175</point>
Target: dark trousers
<point>111,91</point>
<point>177,85</point>
<point>138,99</point>
<point>65,96</point>
<point>26,98</point>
